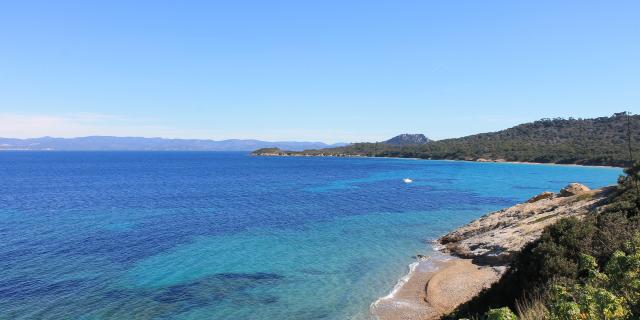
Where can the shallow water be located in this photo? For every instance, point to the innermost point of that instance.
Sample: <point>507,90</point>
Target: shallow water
<point>196,235</point>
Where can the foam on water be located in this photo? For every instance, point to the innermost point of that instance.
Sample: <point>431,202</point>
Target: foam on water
<point>400,283</point>
<point>427,264</point>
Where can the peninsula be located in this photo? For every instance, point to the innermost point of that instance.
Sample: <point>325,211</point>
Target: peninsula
<point>599,141</point>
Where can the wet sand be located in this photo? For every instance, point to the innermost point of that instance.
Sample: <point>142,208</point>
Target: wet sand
<point>433,288</point>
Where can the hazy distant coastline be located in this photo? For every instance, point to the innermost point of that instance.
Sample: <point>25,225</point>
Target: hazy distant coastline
<point>110,143</point>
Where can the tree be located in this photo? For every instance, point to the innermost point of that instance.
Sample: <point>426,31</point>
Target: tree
<point>632,174</point>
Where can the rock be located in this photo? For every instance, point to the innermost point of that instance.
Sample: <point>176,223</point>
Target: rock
<point>495,238</point>
<point>573,189</point>
<point>544,195</point>
<point>451,237</point>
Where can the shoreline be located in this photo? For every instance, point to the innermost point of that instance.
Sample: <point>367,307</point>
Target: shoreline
<point>476,255</point>
<point>434,286</point>
<point>480,160</point>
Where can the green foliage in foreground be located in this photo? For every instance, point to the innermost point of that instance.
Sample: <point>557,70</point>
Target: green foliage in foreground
<point>609,294</point>
<point>578,269</point>
<point>613,293</point>
<point>503,313</point>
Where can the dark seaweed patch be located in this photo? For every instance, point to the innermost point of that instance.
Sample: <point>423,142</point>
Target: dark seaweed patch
<point>249,276</point>
<point>234,287</point>
<point>24,287</point>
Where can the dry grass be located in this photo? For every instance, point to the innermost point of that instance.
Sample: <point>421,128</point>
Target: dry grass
<point>532,309</point>
<point>585,196</point>
<point>544,218</point>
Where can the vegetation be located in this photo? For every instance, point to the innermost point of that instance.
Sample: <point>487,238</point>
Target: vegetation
<point>407,139</point>
<point>612,294</point>
<point>578,269</point>
<point>599,141</point>
<point>503,313</point>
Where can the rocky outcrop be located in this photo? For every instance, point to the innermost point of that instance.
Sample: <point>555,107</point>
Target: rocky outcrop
<point>544,195</point>
<point>573,189</point>
<point>494,238</point>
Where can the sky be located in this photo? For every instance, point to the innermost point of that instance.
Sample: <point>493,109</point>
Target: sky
<point>332,71</point>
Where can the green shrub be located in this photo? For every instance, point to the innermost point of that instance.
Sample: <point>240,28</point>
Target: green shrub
<point>503,313</point>
<point>612,294</point>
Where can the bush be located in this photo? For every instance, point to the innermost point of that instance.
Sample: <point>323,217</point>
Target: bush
<point>503,313</point>
<point>612,294</point>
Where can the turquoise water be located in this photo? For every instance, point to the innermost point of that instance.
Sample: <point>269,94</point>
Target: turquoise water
<point>188,235</point>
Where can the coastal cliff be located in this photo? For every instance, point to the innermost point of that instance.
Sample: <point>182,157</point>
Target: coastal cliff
<point>493,239</point>
<point>478,254</point>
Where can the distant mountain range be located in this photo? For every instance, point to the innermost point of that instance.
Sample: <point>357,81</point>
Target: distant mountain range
<point>107,143</point>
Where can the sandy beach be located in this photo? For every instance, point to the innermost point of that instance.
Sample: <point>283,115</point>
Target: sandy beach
<point>432,288</point>
<point>436,286</point>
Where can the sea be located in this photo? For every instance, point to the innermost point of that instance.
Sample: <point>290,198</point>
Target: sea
<point>217,235</point>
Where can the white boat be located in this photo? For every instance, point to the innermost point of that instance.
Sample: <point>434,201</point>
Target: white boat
<point>407,180</point>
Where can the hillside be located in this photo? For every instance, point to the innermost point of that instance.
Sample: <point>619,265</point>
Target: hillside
<point>407,139</point>
<point>107,143</point>
<point>598,141</point>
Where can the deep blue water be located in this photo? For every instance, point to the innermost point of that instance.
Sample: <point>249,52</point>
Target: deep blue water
<point>195,235</point>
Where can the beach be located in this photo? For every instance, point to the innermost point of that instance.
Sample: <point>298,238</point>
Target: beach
<point>433,287</point>
<point>474,256</point>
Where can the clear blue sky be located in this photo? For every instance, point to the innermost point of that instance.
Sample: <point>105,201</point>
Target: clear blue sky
<point>311,70</point>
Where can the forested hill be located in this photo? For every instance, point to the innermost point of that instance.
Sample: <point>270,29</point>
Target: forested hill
<point>598,141</point>
<point>407,139</point>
